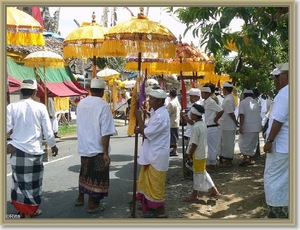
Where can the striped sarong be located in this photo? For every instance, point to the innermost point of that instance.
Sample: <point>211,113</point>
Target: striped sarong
<point>27,177</point>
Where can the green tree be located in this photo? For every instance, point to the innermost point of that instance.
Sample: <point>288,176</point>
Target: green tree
<point>262,41</point>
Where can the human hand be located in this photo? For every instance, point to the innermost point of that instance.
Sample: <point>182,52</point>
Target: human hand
<point>54,150</point>
<point>106,160</point>
<point>268,147</point>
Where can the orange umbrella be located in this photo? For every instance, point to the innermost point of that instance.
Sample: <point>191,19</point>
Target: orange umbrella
<point>23,29</point>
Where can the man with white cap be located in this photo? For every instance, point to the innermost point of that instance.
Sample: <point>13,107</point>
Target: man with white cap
<point>27,121</point>
<point>219,96</point>
<point>195,97</point>
<point>276,173</point>
<point>95,125</point>
<point>213,112</point>
<point>154,155</point>
<point>250,126</point>
<point>227,131</point>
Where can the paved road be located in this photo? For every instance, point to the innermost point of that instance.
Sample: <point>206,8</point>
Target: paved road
<point>60,184</point>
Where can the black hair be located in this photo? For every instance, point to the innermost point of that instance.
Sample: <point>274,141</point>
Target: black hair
<point>199,108</point>
<point>256,92</point>
<point>229,89</point>
<point>211,86</point>
<point>96,90</point>
<point>248,94</point>
<point>173,92</point>
<point>27,92</point>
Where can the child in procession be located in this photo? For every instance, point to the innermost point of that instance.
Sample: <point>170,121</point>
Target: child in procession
<point>197,151</point>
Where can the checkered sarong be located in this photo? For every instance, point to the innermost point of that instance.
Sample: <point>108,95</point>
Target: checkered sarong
<point>27,176</point>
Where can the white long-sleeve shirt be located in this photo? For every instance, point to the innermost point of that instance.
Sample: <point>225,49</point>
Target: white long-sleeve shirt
<point>28,120</point>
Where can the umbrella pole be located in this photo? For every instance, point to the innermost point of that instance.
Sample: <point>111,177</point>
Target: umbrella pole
<point>135,151</point>
<point>182,132</point>
<point>94,66</point>
<point>46,104</point>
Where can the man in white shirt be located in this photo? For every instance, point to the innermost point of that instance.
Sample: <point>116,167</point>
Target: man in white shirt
<point>213,112</point>
<point>95,125</point>
<point>228,124</point>
<point>27,120</point>
<point>154,155</point>
<point>250,126</point>
<point>276,174</point>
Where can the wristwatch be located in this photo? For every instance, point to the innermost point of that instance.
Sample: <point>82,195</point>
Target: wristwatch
<point>270,141</point>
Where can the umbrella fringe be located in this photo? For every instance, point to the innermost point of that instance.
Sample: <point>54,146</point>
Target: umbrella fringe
<point>129,48</point>
<point>25,38</point>
<point>82,50</point>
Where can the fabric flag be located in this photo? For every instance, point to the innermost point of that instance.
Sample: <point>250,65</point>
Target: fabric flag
<point>37,15</point>
<point>132,118</point>
<point>183,94</point>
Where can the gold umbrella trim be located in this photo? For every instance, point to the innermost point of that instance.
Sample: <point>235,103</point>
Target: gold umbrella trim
<point>82,49</point>
<point>116,48</point>
<point>139,35</point>
<point>85,41</point>
<point>23,29</point>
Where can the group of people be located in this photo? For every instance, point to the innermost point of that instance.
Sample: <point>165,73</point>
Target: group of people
<point>208,121</point>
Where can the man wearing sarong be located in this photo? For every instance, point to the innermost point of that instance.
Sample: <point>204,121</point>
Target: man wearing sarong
<point>95,125</point>
<point>154,155</point>
<point>213,112</point>
<point>174,109</point>
<point>250,126</point>
<point>27,121</point>
<point>276,174</point>
<point>228,124</point>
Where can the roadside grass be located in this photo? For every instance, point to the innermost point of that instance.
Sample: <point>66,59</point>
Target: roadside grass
<point>66,130</point>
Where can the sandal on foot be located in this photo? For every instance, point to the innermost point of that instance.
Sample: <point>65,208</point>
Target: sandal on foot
<point>77,203</point>
<point>155,215</point>
<point>99,209</point>
<point>37,212</point>
<point>173,154</point>
<point>190,198</point>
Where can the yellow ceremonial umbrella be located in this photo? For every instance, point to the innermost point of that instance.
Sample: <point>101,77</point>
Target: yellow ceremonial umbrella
<point>136,36</point>
<point>85,42</point>
<point>22,29</point>
<point>110,75</point>
<point>44,59</point>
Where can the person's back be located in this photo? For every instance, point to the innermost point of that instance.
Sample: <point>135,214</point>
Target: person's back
<point>92,124</point>
<point>26,121</point>
<point>31,118</point>
<point>251,110</point>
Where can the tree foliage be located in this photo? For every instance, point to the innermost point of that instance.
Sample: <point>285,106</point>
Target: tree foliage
<point>261,43</point>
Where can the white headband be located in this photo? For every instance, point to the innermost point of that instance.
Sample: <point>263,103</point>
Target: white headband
<point>195,111</point>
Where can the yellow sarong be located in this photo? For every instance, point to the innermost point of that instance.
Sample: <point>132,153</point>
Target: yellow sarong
<point>151,183</point>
